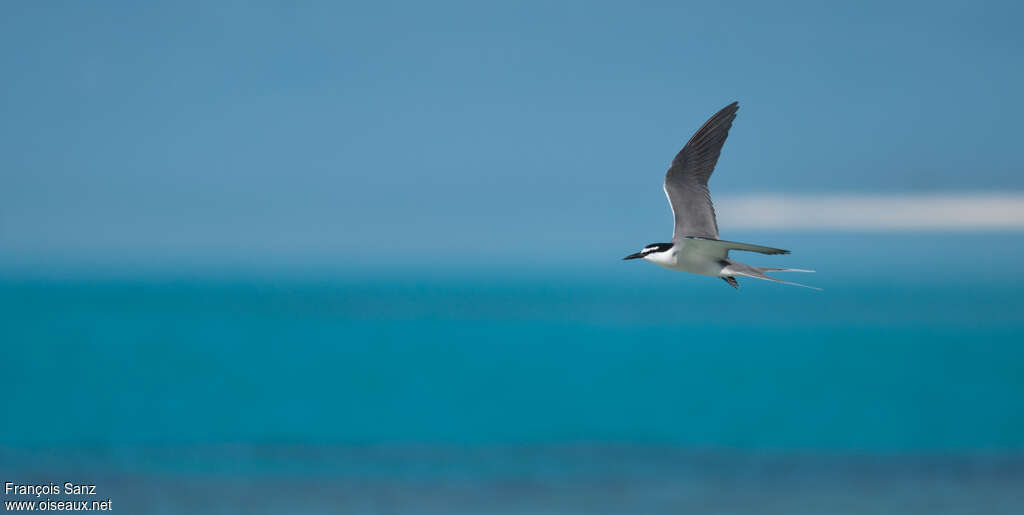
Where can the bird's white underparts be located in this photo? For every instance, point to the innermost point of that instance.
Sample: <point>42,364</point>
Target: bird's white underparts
<point>695,246</point>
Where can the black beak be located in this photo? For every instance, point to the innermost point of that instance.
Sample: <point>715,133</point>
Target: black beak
<point>634,256</point>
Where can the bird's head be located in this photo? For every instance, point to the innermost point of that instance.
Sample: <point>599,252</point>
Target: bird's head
<point>650,250</point>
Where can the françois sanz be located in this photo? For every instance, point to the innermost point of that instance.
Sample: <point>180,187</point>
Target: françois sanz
<point>50,489</point>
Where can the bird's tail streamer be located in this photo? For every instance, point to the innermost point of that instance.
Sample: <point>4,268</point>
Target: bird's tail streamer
<point>734,268</point>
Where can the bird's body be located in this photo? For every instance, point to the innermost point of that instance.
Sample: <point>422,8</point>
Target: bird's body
<point>695,247</point>
<point>695,255</point>
<point>688,256</point>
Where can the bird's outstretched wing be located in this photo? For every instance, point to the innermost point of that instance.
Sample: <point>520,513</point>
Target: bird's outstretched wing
<point>686,182</point>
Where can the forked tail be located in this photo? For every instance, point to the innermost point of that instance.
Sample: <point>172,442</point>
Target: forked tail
<point>733,268</point>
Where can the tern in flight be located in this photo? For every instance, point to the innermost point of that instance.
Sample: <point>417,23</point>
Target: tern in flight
<point>695,246</point>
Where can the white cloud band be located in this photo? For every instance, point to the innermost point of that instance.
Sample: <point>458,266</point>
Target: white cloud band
<point>872,212</point>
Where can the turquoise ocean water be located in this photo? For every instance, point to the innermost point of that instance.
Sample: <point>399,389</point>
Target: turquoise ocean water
<point>899,389</point>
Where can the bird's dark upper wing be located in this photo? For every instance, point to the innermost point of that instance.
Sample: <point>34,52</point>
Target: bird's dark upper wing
<point>686,182</point>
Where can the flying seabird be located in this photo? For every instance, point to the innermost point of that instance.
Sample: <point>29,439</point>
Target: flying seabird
<point>695,246</point>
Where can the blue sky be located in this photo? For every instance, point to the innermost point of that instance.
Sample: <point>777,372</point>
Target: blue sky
<point>342,129</point>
